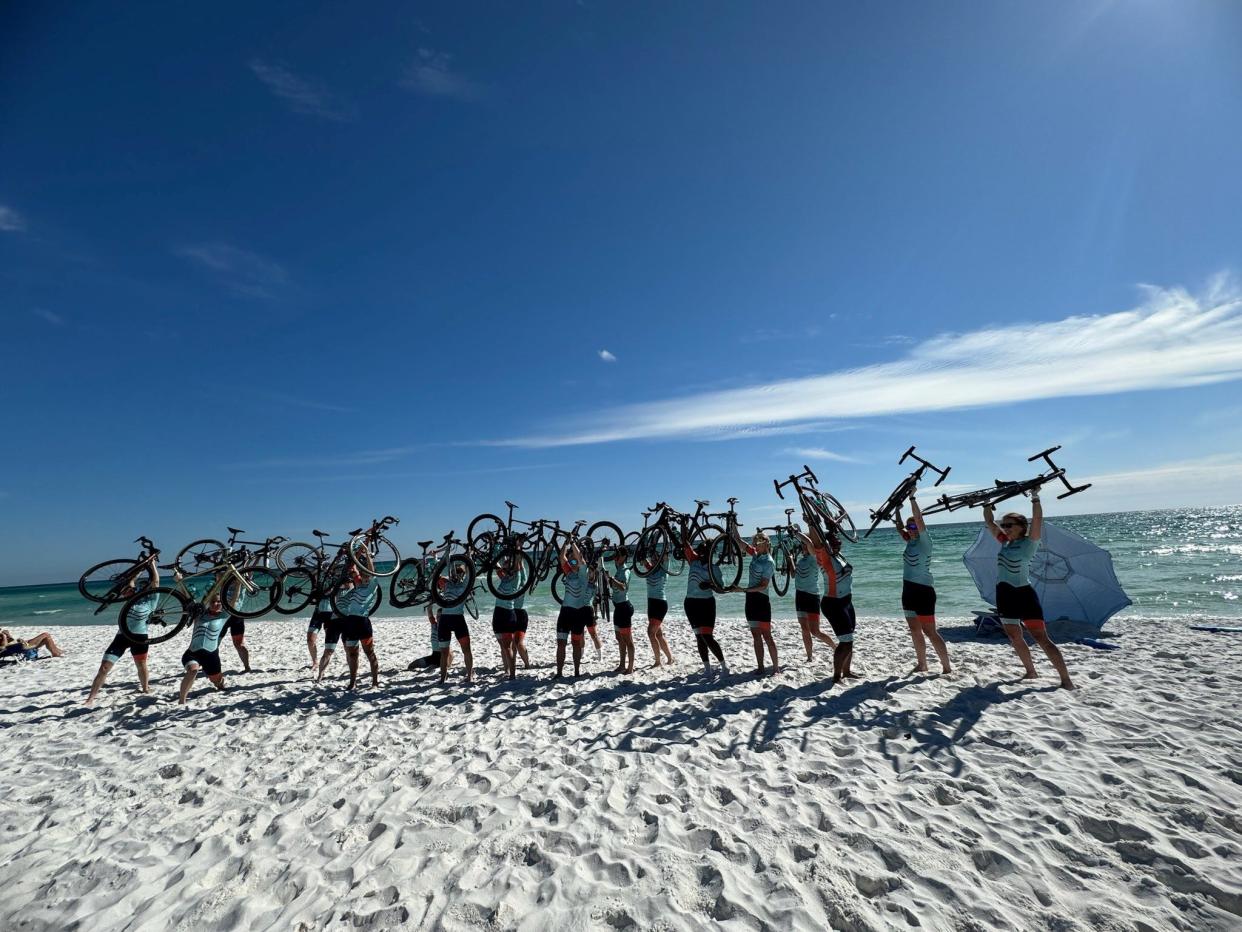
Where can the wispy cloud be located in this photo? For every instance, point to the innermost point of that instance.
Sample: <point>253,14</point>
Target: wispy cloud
<point>243,272</point>
<point>1173,339</point>
<point>52,318</point>
<point>818,453</point>
<point>607,356</point>
<point>420,474</point>
<point>11,221</point>
<point>329,461</point>
<point>432,75</point>
<point>302,95</point>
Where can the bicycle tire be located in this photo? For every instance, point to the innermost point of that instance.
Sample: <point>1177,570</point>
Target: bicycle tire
<point>472,607</point>
<point>841,520</point>
<point>297,590</point>
<point>493,580</point>
<point>443,572</point>
<point>487,530</point>
<point>783,559</point>
<point>654,547</point>
<point>409,580</point>
<point>604,532</point>
<point>382,551</point>
<point>108,580</point>
<point>557,587</point>
<point>297,555</point>
<point>170,613</point>
<point>200,556</point>
<point>724,562</point>
<point>246,604</point>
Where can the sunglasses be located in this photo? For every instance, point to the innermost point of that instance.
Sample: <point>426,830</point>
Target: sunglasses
<point>1009,524</point>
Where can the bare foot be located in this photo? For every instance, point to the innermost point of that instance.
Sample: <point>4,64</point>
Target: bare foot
<point>1066,684</point>
<point>1031,675</point>
<point>853,676</point>
<point>922,669</point>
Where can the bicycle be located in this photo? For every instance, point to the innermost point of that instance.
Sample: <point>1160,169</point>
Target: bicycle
<point>785,545</point>
<point>727,551</point>
<point>410,586</point>
<point>1003,490</point>
<point>819,508</point>
<point>201,555</point>
<point>904,490</point>
<point>672,530</point>
<point>107,582</point>
<point>309,573</point>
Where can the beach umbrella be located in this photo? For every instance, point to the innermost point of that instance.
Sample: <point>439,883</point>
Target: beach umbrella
<point>1073,578</point>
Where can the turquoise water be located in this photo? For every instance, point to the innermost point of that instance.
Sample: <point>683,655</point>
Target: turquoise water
<point>1183,564</point>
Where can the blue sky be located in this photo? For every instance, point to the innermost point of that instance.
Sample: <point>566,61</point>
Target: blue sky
<point>285,265</point>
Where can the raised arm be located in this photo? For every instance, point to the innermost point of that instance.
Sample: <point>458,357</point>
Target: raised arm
<point>989,521</point>
<point>1037,517</point>
<point>917,513</point>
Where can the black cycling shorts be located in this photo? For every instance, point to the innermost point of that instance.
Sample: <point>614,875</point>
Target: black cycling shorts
<point>572,622</point>
<point>207,660</point>
<point>806,603</point>
<point>918,598</point>
<point>702,614</point>
<point>504,620</point>
<point>333,627</point>
<point>356,628</point>
<point>120,644</point>
<point>236,627</point>
<point>449,627</point>
<point>522,619</point>
<point>317,620</point>
<point>1018,603</point>
<point>840,614</point>
<point>656,609</point>
<point>622,615</point>
<point>758,607</point>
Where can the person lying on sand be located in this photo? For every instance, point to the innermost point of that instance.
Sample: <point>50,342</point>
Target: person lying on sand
<point>42,639</point>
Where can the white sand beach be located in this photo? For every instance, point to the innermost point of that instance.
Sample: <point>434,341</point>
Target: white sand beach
<point>662,801</point>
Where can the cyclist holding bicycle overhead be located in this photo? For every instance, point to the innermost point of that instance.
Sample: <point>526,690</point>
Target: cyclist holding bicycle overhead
<point>1016,601</point>
<point>356,625</point>
<point>700,606</point>
<point>204,652</point>
<point>657,606</point>
<point>622,610</point>
<point>592,627</point>
<point>837,604</point>
<point>758,605</point>
<point>918,593</point>
<point>504,615</point>
<point>575,613</point>
<point>452,624</point>
<point>138,615</point>
<point>806,594</point>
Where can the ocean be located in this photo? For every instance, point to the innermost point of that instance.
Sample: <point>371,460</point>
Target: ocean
<point>1181,565</point>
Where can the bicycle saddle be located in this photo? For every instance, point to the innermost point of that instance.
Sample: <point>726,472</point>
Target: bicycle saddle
<point>355,532</point>
<point>424,544</point>
<point>235,530</point>
<point>321,533</point>
<point>700,502</point>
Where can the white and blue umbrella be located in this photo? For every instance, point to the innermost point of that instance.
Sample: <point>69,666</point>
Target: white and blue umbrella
<point>1073,578</point>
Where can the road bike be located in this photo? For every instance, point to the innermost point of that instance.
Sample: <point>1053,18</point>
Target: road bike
<point>174,607</point>
<point>107,582</point>
<point>785,547</point>
<point>1003,490</point>
<point>821,510</point>
<point>665,538</point>
<point>727,551</point>
<point>904,490</point>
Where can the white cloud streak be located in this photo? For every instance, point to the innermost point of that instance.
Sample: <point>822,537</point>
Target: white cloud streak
<point>52,318</point>
<point>607,356</point>
<point>1172,340</point>
<point>243,272</point>
<point>818,453</point>
<point>432,75</point>
<point>11,221</point>
<point>300,94</point>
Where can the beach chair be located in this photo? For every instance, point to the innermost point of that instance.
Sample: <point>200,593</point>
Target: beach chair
<point>15,653</point>
<point>987,624</point>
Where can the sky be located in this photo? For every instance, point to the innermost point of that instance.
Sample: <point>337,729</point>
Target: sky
<point>293,265</point>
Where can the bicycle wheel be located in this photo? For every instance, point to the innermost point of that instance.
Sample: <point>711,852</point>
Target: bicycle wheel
<point>495,579</point>
<point>105,582</point>
<point>297,590</point>
<point>654,546</point>
<point>558,588</point>
<point>604,537</point>
<point>835,514</point>
<point>385,558</point>
<point>783,559</point>
<point>703,535</point>
<point>244,603</point>
<point>297,555</point>
<point>405,585</point>
<point>200,556</point>
<point>484,532</point>
<point>724,562</point>
<point>452,580</point>
<point>155,615</point>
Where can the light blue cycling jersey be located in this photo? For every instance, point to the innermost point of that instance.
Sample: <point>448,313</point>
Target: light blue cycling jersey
<point>657,579</point>
<point>1013,563</point>
<point>577,587</point>
<point>916,560</point>
<point>324,605</point>
<point>840,583</point>
<point>698,580</point>
<point>207,631</point>
<point>509,585</point>
<point>139,614</point>
<point>454,589</point>
<point>806,573</point>
<point>621,596</point>
<point>761,569</point>
<point>357,600</point>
